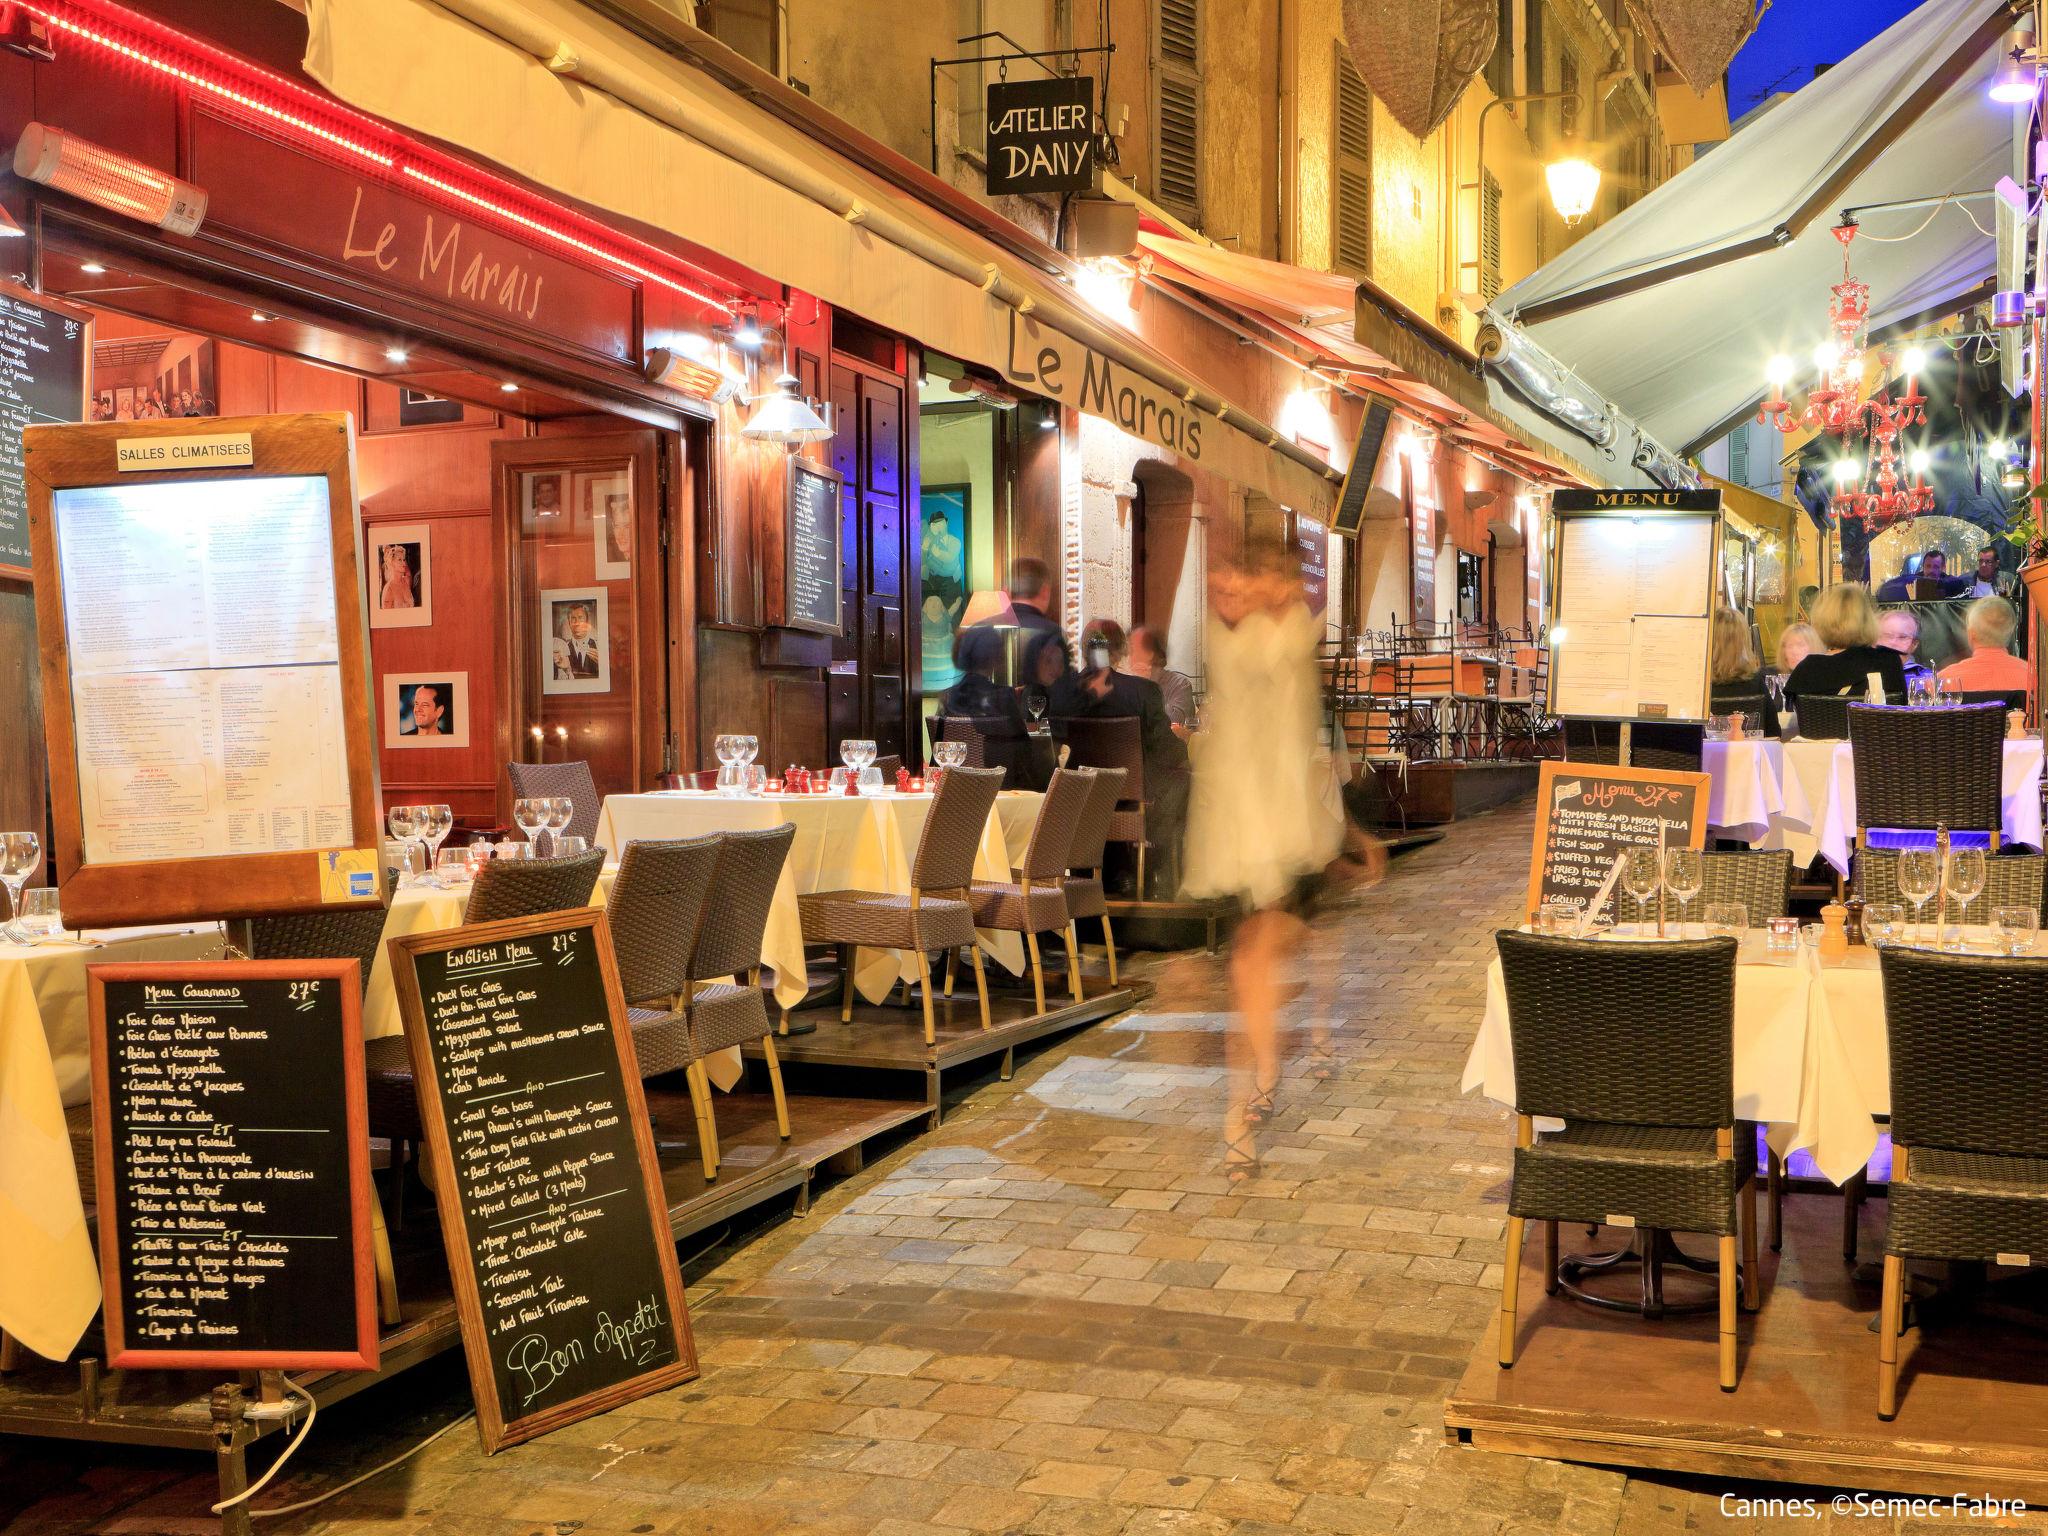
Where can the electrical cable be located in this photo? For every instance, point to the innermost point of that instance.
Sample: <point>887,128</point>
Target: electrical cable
<point>1894,239</point>
<point>299,1439</point>
<point>380,1468</point>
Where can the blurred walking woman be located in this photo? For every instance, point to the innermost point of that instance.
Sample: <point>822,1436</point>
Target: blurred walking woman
<point>1263,820</point>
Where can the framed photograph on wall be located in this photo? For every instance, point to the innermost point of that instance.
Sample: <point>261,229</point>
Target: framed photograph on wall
<point>158,376</point>
<point>543,497</point>
<point>942,538</point>
<point>417,408</point>
<point>403,408</point>
<point>575,640</point>
<point>606,502</point>
<point>426,709</point>
<point>401,578</point>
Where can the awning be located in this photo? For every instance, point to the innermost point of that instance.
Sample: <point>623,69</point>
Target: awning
<point>574,103</point>
<point>1671,309</point>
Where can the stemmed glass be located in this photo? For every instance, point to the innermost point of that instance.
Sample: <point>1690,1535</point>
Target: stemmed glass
<point>21,855</point>
<point>1035,703</point>
<point>434,823</point>
<point>727,750</point>
<point>530,812</point>
<point>405,823</point>
<point>1684,873</point>
<point>561,809</point>
<point>1919,875</point>
<point>1966,875</point>
<point>1640,876</point>
<point>745,750</point>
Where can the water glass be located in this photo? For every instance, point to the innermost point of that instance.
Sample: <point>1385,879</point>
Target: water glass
<point>1557,918</point>
<point>21,855</point>
<point>837,781</point>
<point>1884,922</point>
<point>511,850</point>
<point>756,776</point>
<point>561,811</point>
<point>530,814</point>
<point>451,866</point>
<point>1717,728</point>
<point>1726,919</point>
<point>39,915</point>
<point>567,847</point>
<point>2017,928</point>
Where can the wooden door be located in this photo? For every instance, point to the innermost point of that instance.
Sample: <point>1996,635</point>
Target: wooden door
<point>870,680</point>
<point>582,602</point>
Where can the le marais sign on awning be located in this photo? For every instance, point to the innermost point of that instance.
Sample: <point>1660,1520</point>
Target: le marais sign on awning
<point>1041,135</point>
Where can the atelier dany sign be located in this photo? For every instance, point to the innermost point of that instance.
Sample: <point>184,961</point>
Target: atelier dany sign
<point>223,450</point>
<point>1041,135</point>
<point>1586,814</point>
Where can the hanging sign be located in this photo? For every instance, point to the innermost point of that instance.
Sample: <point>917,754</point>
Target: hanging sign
<point>1041,135</point>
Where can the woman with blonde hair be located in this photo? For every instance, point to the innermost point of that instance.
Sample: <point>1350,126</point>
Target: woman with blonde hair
<point>1737,677</point>
<point>1796,642</point>
<point>1845,619</point>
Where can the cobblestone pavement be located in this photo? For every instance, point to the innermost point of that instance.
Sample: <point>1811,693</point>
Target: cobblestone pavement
<point>1055,1315</point>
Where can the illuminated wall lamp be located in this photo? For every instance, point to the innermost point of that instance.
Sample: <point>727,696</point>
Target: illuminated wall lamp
<point>785,416</point>
<point>693,367</point>
<point>64,162</point>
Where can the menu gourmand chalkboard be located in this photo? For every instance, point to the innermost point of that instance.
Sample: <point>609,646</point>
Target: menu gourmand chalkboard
<point>811,549</point>
<point>557,1229</point>
<point>231,1160</point>
<point>45,350</point>
<point>1586,814</point>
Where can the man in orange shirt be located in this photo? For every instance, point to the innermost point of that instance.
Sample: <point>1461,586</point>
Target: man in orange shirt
<point>1990,666</point>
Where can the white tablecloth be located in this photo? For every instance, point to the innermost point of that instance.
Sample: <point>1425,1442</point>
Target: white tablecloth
<point>1801,795</point>
<point>1811,1055</point>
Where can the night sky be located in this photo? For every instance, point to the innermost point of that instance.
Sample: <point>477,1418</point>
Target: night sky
<point>1795,35</point>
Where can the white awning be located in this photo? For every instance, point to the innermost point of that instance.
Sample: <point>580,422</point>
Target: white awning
<point>1671,309</point>
<point>574,103</point>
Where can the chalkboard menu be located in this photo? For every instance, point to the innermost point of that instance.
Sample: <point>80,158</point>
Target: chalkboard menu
<point>556,1226</point>
<point>44,352</point>
<point>231,1159</point>
<point>1365,467</point>
<point>811,549</point>
<point>1586,814</point>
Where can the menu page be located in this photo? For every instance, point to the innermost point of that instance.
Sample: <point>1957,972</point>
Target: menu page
<point>205,668</point>
<point>42,380</point>
<point>1631,632</point>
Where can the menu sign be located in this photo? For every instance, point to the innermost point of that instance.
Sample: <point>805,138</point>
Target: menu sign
<point>44,353</point>
<point>232,1165</point>
<point>555,1222</point>
<point>1586,814</point>
<point>811,549</point>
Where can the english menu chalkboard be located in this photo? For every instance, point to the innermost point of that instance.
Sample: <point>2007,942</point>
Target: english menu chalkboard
<point>556,1227</point>
<point>232,1164</point>
<point>44,352</point>
<point>1586,814</point>
<point>811,549</point>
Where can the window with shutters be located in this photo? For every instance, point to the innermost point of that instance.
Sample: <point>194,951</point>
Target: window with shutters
<point>1351,179</point>
<point>748,27</point>
<point>1177,129</point>
<point>1500,66</point>
<point>1489,235</point>
<point>1738,456</point>
<point>1535,76</point>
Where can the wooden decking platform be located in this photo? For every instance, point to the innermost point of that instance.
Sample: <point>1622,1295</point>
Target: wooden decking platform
<point>1614,1390</point>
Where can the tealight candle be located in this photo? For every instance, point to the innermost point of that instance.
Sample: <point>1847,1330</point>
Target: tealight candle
<point>773,786</point>
<point>916,785</point>
<point>1781,935</point>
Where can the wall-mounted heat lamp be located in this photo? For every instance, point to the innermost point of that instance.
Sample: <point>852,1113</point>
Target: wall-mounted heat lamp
<point>64,162</point>
<point>695,366</point>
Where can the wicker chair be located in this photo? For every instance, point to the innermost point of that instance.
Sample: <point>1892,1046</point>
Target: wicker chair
<point>1969,1143</point>
<point>526,887</point>
<point>1082,884</point>
<point>2010,880</point>
<point>1676,747</point>
<point>1647,1098</point>
<point>571,779</point>
<point>2004,698</point>
<point>1759,878</point>
<point>1823,717</point>
<point>1926,768</point>
<point>1033,903</point>
<point>935,914</point>
<point>1115,741</point>
<point>888,766</point>
<point>962,728</point>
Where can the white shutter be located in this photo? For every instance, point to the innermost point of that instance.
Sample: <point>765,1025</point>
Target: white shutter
<point>1177,130</point>
<point>1351,217</point>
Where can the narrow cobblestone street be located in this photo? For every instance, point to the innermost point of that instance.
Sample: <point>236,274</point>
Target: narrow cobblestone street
<point>1055,1315</point>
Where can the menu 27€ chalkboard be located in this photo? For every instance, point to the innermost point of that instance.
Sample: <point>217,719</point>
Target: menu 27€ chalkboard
<point>811,554</point>
<point>231,1161</point>
<point>1587,813</point>
<point>556,1226</point>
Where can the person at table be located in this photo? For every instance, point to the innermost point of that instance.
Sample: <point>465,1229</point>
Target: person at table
<point>1991,666</point>
<point>996,711</point>
<point>1898,630</point>
<point>1031,599</point>
<point>1796,642</point>
<point>1148,660</point>
<point>1990,581</point>
<point>1845,620</point>
<point>1102,692</point>
<point>1737,677</point>
<point>1048,670</point>
<point>1933,574</point>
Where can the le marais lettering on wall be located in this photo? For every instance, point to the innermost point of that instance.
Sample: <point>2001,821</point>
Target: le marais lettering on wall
<point>445,263</point>
<point>1055,365</point>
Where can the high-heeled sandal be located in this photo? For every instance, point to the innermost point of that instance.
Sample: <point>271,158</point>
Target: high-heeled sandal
<point>1322,1061</point>
<point>1240,1155</point>
<point>1258,1108</point>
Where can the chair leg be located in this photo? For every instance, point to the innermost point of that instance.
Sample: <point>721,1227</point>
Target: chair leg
<point>1074,962</point>
<point>775,1085</point>
<point>1728,1290</point>
<point>1037,971</point>
<point>1852,1204</point>
<point>952,957</point>
<point>846,954</point>
<point>980,982</point>
<point>1141,870</point>
<point>1510,1278</point>
<point>1550,1258</point>
<point>1752,1282</point>
<point>1777,1203</point>
<point>924,992</point>
<point>1888,1337</point>
<point>700,1105</point>
<point>1109,944</point>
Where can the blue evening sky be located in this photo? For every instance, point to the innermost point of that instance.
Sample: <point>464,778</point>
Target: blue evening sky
<point>1795,35</point>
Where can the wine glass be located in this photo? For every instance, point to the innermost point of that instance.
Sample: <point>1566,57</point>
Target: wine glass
<point>21,855</point>
<point>1919,874</point>
<point>1641,874</point>
<point>849,755</point>
<point>1966,875</point>
<point>727,750</point>
<point>561,809</point>
<point>405,823</point>
<point>1684,873</point>
<point>1035,703</point>
<point>530,813</point>
<point>435,823</point>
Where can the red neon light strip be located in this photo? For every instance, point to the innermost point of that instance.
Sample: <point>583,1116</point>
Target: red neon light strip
<point>214,73</point>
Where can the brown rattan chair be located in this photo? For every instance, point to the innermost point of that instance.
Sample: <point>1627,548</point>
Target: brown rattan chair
<point>1633,1047</point>
<point>1759,878</point>
<point>1082,883</point>
<point>888,766</point>
<point>2010,880</point>
<point>1823,716</point>
<point>1919,769</point>
<point>935,914</point>
<point>1969,1141</point>
<point>394,1109</point>
<point>962,728</point>
<point>1033,903</point>
<point>1676,747</point>
<point>1116,741</point>
<point>571,779</point>
<point>527,887</point>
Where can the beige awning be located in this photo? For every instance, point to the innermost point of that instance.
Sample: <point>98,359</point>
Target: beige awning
<point>579,105</point>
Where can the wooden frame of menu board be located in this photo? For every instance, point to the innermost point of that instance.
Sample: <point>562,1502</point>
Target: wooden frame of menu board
<point>537,1364</point>
<point>84,321</point>
<point>125,462</point>
<point>1612,657</point>
<point>1653,791</point>
<point>123,1351</point>
<point>795,615</point>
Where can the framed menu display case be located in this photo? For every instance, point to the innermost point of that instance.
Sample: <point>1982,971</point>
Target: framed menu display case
<point>205,672</point>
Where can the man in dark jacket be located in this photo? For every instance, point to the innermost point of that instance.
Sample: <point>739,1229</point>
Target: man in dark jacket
<point>1100,691</point>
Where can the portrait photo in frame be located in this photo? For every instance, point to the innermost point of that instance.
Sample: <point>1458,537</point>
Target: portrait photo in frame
<point>426,709</point>
<point>400,565</point>
<point>607,504</point>
<point>575,640</point>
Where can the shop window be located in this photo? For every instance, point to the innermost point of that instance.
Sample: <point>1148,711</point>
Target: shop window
<point>1177,132</point>
<point>1352,180</point>
<point>1489,235</point>
<point>945,524</point>
<point>1471,588</point>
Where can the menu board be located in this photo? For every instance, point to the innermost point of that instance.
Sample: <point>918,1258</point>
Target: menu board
<point>232,1165</point>
<point>555,1223</point>
<point>44,353</point>
<point>1365,467</point>
<point>1631,602</point>
<point>1587,814</point>
<point>811,549</point>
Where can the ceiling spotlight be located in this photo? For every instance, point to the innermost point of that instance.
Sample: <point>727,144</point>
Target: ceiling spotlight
<point>1915,360</point>
<point>1049,422</point>
<point>2014,83</point>
<point>91,268</point>
<point>746,333</point>
<point>259,317</point>
<point>395,354</point>
<point>509,388</point>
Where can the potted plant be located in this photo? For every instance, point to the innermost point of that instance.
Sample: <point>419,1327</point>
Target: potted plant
<point>2027,532</point>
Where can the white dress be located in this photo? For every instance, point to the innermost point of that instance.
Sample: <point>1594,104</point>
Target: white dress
<point>1262,813</point>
